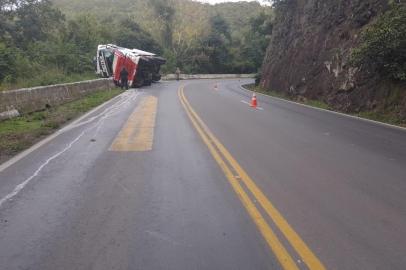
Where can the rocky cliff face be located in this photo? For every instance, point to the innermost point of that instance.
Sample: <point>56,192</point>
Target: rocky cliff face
<point>309,53</point>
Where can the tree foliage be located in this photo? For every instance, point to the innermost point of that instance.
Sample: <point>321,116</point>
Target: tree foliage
<point>165,13</point>
<point>45,41</point>
<point>130,35</point>
<point>383,45</point>
<point>193,36</point>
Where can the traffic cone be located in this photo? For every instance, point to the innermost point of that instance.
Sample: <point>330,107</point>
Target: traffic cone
<point>254,100</point>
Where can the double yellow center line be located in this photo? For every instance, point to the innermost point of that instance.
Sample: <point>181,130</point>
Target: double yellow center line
<point>240,182</point>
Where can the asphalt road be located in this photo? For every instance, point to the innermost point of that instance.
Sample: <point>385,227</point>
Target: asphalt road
<point>185,175</point>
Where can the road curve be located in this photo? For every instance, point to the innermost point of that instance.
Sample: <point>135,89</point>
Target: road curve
<point>135,185</point>
<point>339,181</point>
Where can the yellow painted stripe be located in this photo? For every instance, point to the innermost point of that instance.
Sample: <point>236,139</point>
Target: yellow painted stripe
<point>270,237</point>
<point>138,132</point>
<point>294,239</point>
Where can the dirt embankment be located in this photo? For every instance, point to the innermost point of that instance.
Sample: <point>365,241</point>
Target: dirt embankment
<point>309,54</point>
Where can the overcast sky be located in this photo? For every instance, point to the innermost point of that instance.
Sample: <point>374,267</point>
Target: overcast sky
<point>220,1</point>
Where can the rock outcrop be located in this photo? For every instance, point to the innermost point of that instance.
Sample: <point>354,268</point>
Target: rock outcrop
<point>309,54</point>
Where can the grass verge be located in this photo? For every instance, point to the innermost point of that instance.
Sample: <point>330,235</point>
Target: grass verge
<point>387,117</point>
<point>310,102</point>
<point>48,78</point>
<point>20,133</point>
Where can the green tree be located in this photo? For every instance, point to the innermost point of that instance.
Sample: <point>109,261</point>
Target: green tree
<point>129,34</point>
<point>256,40</point>
<point>214,46</point>
<point>383,45</point>
<point>165,13</point>
<point>7,63</point>
<point>34,20</point>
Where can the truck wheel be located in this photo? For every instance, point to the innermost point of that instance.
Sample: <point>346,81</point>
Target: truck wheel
<point>147,82</point>
<point>156,77</point>
<point>139,82</point>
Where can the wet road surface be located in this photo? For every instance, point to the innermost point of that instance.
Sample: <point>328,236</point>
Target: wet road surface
<point>185,175</point>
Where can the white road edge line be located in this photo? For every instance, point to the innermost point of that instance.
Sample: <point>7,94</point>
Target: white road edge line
<point>329,111</point>
<point>23,154</point>
<point>21,186</point>
<point>246,102</point>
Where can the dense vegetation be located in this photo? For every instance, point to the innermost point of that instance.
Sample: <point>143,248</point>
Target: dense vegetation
<point>383,45</point>
<point>39,46</point>
<point>44,42</point>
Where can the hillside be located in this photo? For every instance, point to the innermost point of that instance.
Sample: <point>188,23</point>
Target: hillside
<point>236,14</point>
<point>51,41</point>
<point>312,49</point>
<point>185,28</point>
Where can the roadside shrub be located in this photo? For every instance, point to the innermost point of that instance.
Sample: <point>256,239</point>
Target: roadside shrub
<point>258,78</point>
<point>383,45</point>
<point>7,65</point>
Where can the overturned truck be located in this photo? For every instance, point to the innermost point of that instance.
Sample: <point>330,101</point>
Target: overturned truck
<point>143,67</point>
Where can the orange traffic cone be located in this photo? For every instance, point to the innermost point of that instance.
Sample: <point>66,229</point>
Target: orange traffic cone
<point>254,101</point>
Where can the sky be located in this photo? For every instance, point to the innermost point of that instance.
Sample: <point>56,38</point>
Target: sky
<point>220,1</point>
